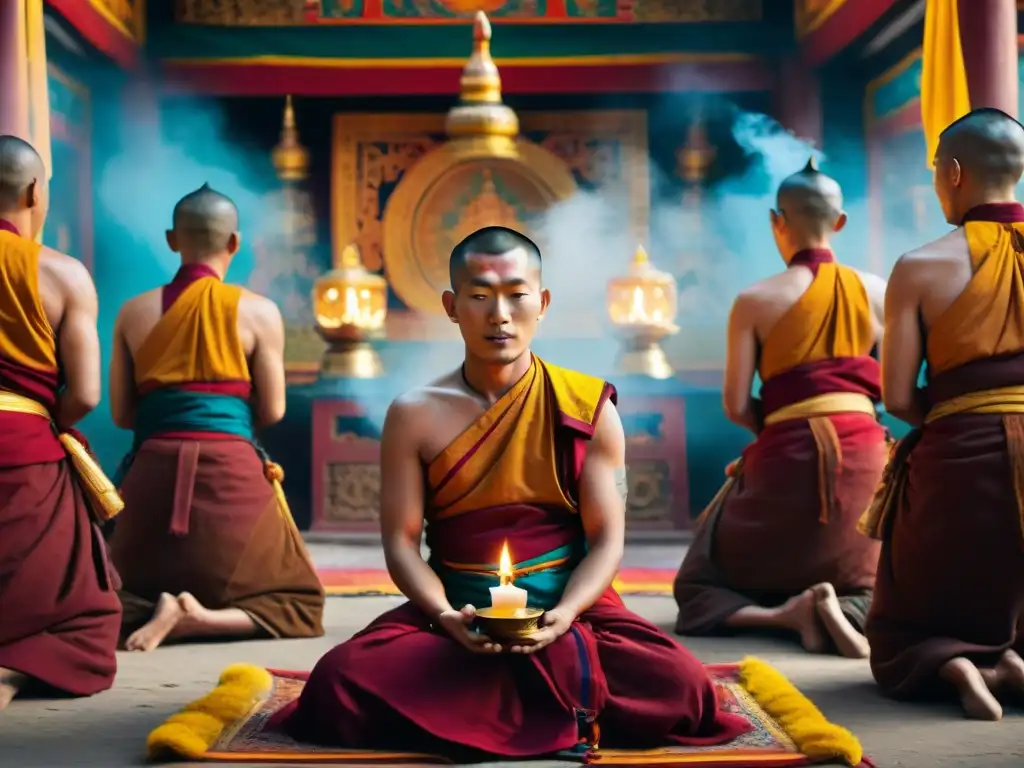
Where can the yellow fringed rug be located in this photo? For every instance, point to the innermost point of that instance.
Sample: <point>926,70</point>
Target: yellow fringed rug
<point>229,725</point>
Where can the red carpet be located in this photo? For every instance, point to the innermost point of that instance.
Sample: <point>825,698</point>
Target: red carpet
<point>229,726</point>
<point>354,582</point>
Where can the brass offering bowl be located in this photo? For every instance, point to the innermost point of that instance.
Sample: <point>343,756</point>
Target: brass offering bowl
<point>499,625</point>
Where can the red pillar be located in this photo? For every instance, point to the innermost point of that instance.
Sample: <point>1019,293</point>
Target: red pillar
<point>988,39</point>
<point>797,100</point>
<point>14,105</point>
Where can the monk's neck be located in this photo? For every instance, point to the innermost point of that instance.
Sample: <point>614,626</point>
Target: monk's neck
<point>1009,212</point>
<point>491,381</point>
<point>203,267</point>
<point>12,223</point>
<point>811,257</point>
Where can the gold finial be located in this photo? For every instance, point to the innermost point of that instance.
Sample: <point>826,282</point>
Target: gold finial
<point>291,159</point>
<point>350,258</point>
<point>640,257</point>
<point>812,165</point>
<point>480,111</point>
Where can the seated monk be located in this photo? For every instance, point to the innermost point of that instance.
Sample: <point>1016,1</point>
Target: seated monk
<point>948,612</point>
<point>506,448</point>
<point>206,545</point>
<point>778,547</point>
<point>59,613</point>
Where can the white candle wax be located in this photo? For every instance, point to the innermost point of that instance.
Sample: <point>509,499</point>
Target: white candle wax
<point>507,599</point>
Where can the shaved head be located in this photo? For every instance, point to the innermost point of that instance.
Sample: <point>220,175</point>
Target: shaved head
<point>489,241</point>
<point>205,221</point>
<point>20,168</point>
<point>811,201</point>
<point>988,145</point>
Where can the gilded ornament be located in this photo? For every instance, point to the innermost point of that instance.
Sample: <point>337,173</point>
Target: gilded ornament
<point>484,174</point>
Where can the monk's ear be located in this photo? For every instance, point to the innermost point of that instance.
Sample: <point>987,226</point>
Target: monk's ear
<point>545,302</point>
<point>172,240</point>
<point>840,223</point>
<point>33,194</point>
<point>956,173</point>
<point>234,243</point>
<point>448,302</point>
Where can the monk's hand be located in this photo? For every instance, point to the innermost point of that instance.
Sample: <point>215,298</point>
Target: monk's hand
<point>459,624</point>
<point>554,624</point>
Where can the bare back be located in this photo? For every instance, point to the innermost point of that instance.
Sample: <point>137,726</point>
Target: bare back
<point>936,273</point>
<point>260,330</point>
<point>769,300</point>
<point>69,300</point>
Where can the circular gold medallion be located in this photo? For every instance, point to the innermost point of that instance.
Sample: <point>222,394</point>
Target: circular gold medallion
<point>455,190</point>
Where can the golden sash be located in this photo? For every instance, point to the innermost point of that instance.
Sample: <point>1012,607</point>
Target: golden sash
<point>1004,400</point>
<point>101,497</point>
<point>829,404</point>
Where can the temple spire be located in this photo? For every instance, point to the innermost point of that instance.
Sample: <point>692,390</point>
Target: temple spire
<point>480,111</point>
<point>291,159</point>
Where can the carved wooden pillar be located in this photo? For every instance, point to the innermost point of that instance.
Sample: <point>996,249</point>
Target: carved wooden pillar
<point>797,100</point>
<point>14,94</point>
<point>988,39</point>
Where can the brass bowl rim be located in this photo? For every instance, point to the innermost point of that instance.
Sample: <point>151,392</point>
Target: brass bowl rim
<point>526,615</point>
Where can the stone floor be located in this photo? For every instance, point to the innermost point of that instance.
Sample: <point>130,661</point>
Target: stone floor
<point>109,730</point>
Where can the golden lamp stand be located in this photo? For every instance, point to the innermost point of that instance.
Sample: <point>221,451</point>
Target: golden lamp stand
<point>349,308</point>
<point>642,306</point>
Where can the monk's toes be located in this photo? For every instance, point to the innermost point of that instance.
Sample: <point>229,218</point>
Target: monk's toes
<point>976,699</point>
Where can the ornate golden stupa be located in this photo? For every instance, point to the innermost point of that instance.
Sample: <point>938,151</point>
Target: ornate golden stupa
<point>485,174</point>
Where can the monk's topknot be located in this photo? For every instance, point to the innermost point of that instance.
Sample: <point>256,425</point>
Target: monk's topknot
<point>810,199</point>
<point>205,219</point>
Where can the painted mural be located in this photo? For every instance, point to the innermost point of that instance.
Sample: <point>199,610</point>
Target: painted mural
<point>296,12</point>
<point>69,222</point>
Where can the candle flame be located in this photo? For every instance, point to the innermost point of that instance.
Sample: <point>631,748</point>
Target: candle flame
<point>505,566</point>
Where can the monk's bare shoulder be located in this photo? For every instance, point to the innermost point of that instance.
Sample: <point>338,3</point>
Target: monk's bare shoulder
<point>65,272</point>
<point>951,247</point>
<point>263,311</point>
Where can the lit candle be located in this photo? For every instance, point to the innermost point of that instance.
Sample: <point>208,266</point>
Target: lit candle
<point>506,599</point>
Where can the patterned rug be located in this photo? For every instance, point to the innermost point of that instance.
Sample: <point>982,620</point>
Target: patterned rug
<point>356,582</point>
<point>229,725</point>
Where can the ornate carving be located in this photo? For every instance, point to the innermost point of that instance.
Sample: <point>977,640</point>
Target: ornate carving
<point>256,13</point>
<point>297,12</point>
<point>697,10</point>
<point>372,153</point>
<point>499,9</point>
<point>650,492</point>
<point>353,493</point>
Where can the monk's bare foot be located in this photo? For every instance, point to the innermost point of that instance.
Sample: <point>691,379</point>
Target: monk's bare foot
<point>975,697</point>
<point>11,683</point>
<point>193,609</point>
<point>849,642</point>
<point>165,618</point>
<point>1009,676</point>
<point>800,614</point>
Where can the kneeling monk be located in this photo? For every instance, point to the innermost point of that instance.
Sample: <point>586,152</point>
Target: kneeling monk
<point>948,613</point>
<point>206,545</point>
<point>505,449</point>
<point>778,547</point>
<point>59,613</point>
